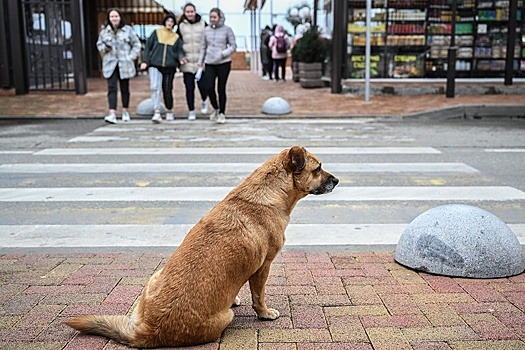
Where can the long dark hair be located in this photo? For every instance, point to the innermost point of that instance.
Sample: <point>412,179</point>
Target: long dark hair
<point>122,22</point>
<point>183,17</point>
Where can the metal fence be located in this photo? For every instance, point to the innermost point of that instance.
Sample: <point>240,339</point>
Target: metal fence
<point>49,44</point>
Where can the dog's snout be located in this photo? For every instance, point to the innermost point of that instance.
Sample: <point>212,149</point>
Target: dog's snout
<point>335,180</point>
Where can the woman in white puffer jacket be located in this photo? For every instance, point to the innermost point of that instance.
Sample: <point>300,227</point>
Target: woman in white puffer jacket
<point>191,31</point>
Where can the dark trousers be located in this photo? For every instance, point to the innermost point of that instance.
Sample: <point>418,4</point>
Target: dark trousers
<point>168,74</point>
<point>219,72</point>
<point>113,82</point>
<point>189,83</point>
<point>279,63</point>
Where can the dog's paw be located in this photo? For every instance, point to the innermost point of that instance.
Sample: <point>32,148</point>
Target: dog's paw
<point>268,315</point>
<point>237,301</point>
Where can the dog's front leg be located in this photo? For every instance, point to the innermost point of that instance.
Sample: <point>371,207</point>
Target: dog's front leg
<point>257,288</point>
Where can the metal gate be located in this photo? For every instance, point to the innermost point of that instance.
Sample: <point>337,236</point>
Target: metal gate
<point>49,44</point>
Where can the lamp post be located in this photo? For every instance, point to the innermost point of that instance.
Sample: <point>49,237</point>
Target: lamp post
<point>451,55</point>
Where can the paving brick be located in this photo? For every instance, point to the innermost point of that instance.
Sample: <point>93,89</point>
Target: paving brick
<point>336,346</point>
<point>357,310</point>
<point>347,329</point>
<point>321,300</point>
<point>403,321</point>
<point>400,304</point>
<point>123,295</point>
<point>294,335</point>
<point>430,346</point>
<point>388,339</point>
<point>438,298</point>
<point>489,327</point>
<point>482,292</point>
<point>308,316</point>
<point>442,284</point>
<point>488,345</point>
<point>277,346</point>
<point>440,334</point>
<point>363,295</point>
<point>239,339</point>
<point>442,315</point>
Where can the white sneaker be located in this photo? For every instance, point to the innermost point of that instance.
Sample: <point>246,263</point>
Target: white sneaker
<point>156,118</point>
<point>214,115</point>
<point>111,118</point>
<point>125,116</point>
<point>204,107</point>
<point>266,77</point>
<point>169,116</point>
<point>221,119</point>
<point>191,115</point>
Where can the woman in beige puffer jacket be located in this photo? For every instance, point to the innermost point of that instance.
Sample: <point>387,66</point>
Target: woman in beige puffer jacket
<point>191,31</point>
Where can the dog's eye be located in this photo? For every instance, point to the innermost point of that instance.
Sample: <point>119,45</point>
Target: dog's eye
<point>318,169</point>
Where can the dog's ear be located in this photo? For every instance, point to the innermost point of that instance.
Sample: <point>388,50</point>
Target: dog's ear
<point>296,159</point>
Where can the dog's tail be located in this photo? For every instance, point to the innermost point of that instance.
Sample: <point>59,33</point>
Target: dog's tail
<point>117,327</point>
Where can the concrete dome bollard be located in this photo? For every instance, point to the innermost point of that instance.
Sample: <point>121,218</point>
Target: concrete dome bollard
<point>145,107</point>
<point>462,241</point>
<point>276,105</point>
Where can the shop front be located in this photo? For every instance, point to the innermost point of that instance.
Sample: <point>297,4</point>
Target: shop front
<point>411,38</point>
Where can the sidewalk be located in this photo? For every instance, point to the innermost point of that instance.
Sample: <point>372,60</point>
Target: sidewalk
<point>333,300</point>
<point>247,94</point>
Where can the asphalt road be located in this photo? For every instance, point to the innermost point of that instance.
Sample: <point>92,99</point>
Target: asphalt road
<point>84,184</point>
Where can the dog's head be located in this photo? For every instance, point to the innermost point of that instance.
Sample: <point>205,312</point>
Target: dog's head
<point>309,177</point>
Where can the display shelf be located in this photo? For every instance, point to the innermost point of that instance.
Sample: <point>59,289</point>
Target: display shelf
<point>357,38</point>
<point>490,47</point>
<point>439,31</point>
<point>411,38</point>
<point>406,42</point>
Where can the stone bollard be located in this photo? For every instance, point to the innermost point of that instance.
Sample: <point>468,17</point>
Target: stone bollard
<point>145,108</point>
<point>460,240</point>
<point>276,105</point>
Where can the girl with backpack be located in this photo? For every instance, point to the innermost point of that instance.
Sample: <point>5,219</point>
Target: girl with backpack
<point>279,44</point>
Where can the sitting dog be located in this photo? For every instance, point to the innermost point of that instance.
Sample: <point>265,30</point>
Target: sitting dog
<point>189,301</point>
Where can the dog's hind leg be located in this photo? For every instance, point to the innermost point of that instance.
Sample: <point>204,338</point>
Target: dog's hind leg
<point>257,288</point>
<point>216,325</point>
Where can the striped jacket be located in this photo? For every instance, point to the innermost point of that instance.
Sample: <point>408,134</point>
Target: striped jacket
<point>125,48</point>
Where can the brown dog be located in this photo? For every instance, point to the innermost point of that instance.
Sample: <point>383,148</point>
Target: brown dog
<point>189,301</point>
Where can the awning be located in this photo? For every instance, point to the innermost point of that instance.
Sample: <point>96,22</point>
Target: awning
<point>252,4</point>
<point>136,11</point>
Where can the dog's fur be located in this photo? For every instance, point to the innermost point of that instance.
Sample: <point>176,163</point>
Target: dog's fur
<point>189,301</point>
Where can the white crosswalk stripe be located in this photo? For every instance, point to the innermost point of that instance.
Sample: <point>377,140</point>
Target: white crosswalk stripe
<point>33,236</point>
<point>226,168</point>
<point>214,194</point>
<point>233,151</point>
<point>68,163</point>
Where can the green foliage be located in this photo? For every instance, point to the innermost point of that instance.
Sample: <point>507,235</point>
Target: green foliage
<point>311,47</point>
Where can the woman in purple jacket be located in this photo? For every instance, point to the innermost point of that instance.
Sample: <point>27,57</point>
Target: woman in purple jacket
<point>216,50</point>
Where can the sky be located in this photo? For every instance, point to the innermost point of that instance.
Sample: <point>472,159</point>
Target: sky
<point>238,20</point>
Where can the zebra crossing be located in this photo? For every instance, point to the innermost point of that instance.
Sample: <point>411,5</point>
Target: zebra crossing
<point>98,191</point>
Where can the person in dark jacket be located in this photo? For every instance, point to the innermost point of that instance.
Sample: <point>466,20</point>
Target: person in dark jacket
<point>162,54</point>
<point>266,54</point>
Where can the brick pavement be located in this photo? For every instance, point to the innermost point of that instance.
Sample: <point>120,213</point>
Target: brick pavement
<point>247,93</point>
<point>327,300</point>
